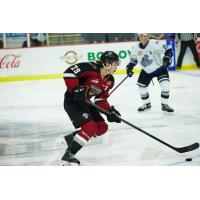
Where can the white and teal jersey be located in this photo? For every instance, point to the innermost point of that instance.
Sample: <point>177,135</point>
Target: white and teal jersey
<point>150,57</point>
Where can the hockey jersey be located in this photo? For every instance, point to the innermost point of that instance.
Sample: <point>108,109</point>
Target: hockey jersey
<point>149,57</point>
<point>88,75</point>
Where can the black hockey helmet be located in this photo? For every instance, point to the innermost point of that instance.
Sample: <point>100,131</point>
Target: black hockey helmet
<point>108,57</point>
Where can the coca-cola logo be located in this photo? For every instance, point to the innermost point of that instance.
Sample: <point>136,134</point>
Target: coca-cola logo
<point>10,61</point>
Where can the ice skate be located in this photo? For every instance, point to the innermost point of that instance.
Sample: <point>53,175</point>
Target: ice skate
<point>178,67</point>
<point>165,107</point>
<point>146,106</point>
<point>69,159</point>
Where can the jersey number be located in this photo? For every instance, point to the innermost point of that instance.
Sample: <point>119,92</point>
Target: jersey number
<point>75,69</point>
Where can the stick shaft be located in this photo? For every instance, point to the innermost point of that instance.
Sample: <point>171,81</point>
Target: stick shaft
<point>118,85</point>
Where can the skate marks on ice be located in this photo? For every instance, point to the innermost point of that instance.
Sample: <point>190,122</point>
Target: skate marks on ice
<point>39,144</point>
<point>28,143</point>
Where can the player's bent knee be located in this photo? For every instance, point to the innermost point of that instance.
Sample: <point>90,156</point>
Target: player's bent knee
<point>165,86</point>
<point>142,90</point>
<point>102,128</point>
<point>89,128</point>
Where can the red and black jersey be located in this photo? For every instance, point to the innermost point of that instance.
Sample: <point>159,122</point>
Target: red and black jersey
<point>88,75</point>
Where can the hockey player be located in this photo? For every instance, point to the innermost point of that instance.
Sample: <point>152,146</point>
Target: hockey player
<point>154,59</point>
<point>84,81</point>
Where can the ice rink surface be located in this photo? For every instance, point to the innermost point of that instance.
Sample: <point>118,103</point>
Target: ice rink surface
<point>33,122</point>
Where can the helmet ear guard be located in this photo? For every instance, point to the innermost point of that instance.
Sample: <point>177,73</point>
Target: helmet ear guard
<point>107,66</point>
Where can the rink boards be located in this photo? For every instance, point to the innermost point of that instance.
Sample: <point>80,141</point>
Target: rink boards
<point>50,62</point>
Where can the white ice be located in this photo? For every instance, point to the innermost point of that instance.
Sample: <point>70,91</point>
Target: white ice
<point>33,121</point>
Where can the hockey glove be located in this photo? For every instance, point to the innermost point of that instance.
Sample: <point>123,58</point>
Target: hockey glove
<point>129,70</point>
<point>79,94</point>
<point>113,116</point>
<point>167,61</point>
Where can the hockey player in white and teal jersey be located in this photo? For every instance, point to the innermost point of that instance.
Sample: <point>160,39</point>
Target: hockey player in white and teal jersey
<point>154,58</point>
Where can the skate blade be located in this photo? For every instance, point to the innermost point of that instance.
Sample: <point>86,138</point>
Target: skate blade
<point>167,113</point>
<point>146,110</point>
<point>65,163</point>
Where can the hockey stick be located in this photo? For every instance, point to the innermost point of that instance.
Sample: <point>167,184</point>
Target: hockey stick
<point>178,149</point>
<point>118,85</point>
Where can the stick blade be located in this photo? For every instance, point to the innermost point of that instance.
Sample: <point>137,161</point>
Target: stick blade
<point>191,147</point>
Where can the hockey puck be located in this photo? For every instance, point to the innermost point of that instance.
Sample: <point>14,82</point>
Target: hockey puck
<point>188,159</point>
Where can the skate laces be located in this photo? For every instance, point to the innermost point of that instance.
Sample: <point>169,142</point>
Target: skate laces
<point>71,155</point>
<point>166,106</point>
<point>144,105</point>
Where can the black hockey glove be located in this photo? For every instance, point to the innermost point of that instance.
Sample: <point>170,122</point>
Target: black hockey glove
<point>79,94</point>
<point>113,116</point>
<point>129,70</point>
<point>167,61</point>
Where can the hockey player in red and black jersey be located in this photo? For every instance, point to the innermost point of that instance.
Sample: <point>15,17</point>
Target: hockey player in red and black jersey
<point>84,81</point>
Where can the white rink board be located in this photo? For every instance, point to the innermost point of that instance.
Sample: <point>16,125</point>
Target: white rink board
<point>54,60</point>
